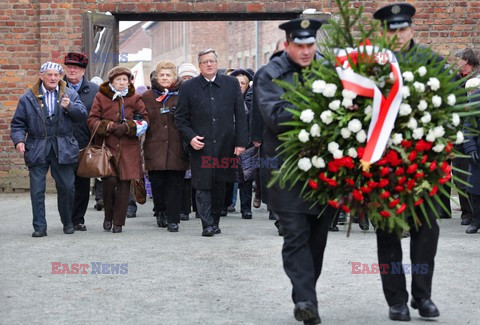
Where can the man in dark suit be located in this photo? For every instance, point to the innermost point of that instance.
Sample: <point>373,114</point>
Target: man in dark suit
<point>305,228</point>
<point>75,66</point>
<point>210,116</point>
<point>42,132</point>
<point>397,19</point>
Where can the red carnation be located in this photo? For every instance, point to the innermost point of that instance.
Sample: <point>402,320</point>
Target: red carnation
<point>412,156</point>
<point>402,180</point>
<point>372,184</point>
<point>357,195</point>
<point>399,188</point>
<point>401,209</point>
<point>385,195</point>
<point>418,202</point>
<point>323,177</point>
<point>424,159</point>
<point>332,166</point>
<point>434,190</point>
<point>332,183</point>
<point>412,169</point>
<point>382,162</point>
<point>365,189</point>
<point>383,182</point>
<point>411,184</point>
<point>419,175</point>
<point>313,184</point>
<point>406,143</point>
<point>399,171</point>
<point>384,171</point>
<point>423,145</point>
<point>433,166</point>
<point>349,181</point>
<point>444,179</point>
<point>333,203</point>
<point>345,208</point>
<point>449,147</point>
<point>360,152</point>
<point>385,214</point>
<point>393,203</point>
<point>367,175</point>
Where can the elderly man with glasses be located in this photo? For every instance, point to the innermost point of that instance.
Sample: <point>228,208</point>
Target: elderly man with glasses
<point>211,118</point>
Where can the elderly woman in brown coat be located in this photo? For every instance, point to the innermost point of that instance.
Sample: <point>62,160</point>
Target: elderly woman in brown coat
<point>165,158</point>
<point>113,110</point>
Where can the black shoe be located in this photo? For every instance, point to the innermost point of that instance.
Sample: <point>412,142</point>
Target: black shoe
<point>342,218</point>
<point>80,227</point>
<point>247,215</point>
<point>272,216</point>
<point>399,312</point>
<point>216,229</point>
<point>426,307</point>
<point>107,225</point>
<point>405,234</point>
<point>257,202</point>
<point>472,229</point>
<point>281,232</point>
<point>131,214</point>
<point>68,230</point>
<point>335,228</point>
<point>466,222</point>
<point>223,213</point>
<point>305,311</point>
<point>315,321</point>
<point>40,233</point>
<point>184,216</point>
<point>364,225</point>
<point>231,208</point>
<point>172,227</point>
<point>99,206</point>
<point>208,231</point>
<point>116,229</point>
<point>162,220</point>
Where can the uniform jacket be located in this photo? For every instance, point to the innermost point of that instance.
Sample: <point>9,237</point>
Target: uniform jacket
<point>163,145</point>
<point>87,93</point>
<point>267,99</point>
<point>28,125</point>
<point>215,111</point>
<point>473,144</point>
<point>126,149</point>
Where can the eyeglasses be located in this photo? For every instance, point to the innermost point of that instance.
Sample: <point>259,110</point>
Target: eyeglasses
<point>208,61</point>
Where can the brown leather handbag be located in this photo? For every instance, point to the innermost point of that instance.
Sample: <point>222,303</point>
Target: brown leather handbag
<point>95,160</point>
<point>139,190</point>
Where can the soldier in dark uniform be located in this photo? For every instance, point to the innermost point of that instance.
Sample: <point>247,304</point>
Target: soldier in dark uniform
<point>424,239</point>
<point>305,230</point>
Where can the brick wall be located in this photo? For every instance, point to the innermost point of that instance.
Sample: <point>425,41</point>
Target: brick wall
<point>32,32</point>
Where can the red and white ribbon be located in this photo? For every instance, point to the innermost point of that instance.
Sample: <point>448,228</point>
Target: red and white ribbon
<point>385,110</point>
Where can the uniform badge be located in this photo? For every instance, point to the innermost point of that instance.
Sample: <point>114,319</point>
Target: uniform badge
<point>305,23</point>
<point>396,10</point>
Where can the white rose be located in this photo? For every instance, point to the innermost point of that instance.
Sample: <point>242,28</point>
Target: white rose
<point>361,136</point>
<point>436,101</point>
<point>303,136</point>
<point>315,130</point>
<point>412,124</point>
<point>346,133</point>
<point>417,133</point>
<point>368,110</point>
<point>460,137</point>
<point>307,115</point>
<point>426,118</point>
<point>337,154</point>
<point>407,76</point>
<point>318,86</point>
<point>304,164</point>
<point>405,91</point>
<point>434,84</point>
<point>451,99</point>
<point>473,83</point>
<point>397,138</point>
<point>405,110</point>
<point>347,102</point>
<point>332,147</point>
<point>439,147</point>
<point>326,117</point>
<point>354,125</point>
<point>352,152</point>
<point>329,90</point>
<point>334,105</point>
<point>439,131</point>
<point>455,119</point>
<point>419,87</point>
<point>348,94</point>
<point>422,71</point>
<point>318,162</point>
<point>422,105</point>
<point>430,136</point>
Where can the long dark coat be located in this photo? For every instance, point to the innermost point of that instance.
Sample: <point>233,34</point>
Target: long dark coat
<point>473,144</point>
<point>163,145</point>
<point>28,125</point>
<point>215,111</point>
<point>126,149</point>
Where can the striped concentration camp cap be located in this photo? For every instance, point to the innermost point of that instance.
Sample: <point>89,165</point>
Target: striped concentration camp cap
<point>51,66</point>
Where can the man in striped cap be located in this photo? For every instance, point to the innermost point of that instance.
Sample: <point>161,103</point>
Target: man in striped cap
<point>41,130</point>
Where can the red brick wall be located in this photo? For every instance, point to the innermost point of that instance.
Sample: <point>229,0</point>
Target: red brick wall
<point>33,32</point>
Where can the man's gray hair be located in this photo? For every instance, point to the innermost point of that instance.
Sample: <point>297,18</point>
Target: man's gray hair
<point>207,51</point>
<point>468,55</point>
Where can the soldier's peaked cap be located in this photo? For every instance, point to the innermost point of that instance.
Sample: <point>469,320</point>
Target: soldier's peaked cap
<point>301,31</point>
<point>395,16</point>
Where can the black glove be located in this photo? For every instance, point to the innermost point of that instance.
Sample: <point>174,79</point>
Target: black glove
<point>475,157</point>
<point>119,129</point>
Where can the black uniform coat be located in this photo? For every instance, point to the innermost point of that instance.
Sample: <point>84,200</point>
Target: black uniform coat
<point>266,98</point>
<point>473,144</point>
<point>215,111</point>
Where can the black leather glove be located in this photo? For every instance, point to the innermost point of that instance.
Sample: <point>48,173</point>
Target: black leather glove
<point>475,157</point>
<point>119,129</point>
